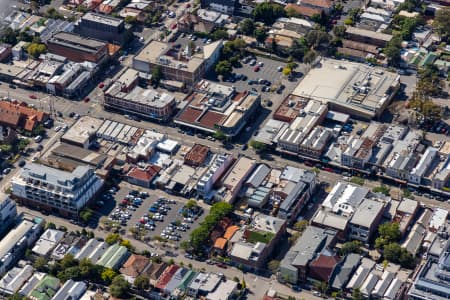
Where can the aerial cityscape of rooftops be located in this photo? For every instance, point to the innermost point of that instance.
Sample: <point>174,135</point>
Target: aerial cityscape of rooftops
<point>224,149</point>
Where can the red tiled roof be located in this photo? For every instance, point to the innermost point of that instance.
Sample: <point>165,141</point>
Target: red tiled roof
<point>166,276</point>
<point>302,10</point>
<point>220,243</point>
<point>322,267</point>
<point>230,232</point>
<point>146,174</point>
<point>318,3</point>
<point>14,114</point>
<point>197,155</point>
<point>210,119</point>
<point>135,265</point>
<point>189,115</point>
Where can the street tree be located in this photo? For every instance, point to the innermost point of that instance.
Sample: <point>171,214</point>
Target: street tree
<point>119,287</point>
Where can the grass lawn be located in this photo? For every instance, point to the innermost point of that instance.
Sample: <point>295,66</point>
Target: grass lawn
<point>258,236</point>
<point>357,180</point>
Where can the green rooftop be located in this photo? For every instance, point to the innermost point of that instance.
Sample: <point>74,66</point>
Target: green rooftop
<point>113,257</point>
<point>46,288</point>
<point>259,236</point>
<point>187,279</point>
<point>429,59</point>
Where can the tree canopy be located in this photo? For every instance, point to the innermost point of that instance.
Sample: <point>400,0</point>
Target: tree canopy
<point>389,233</point>
<point>268,12</point>
<point>223,68</point>
<point>200,234</point>
<point>442,21</point>
<point>247,26</point>
<point>36,49</point>
<point>119,287</point>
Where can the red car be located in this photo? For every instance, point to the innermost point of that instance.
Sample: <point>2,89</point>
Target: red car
<point>221,265</point>
<point>256,69</point>
<point>33,97</point>
<point>87,99</point>
<point>101,85</point>
<point>188,5</point>
<point>174,26</point>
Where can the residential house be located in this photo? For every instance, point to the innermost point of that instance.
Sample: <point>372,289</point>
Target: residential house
<point>135,266</point>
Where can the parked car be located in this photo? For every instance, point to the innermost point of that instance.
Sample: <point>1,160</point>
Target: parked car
<point>38,139</point>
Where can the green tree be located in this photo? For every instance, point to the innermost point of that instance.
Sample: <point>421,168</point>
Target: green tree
<point>50,225</point>
<point>388,233</point>
<point>301,225</point>
<point>258,146</point>
<point>267,12</point>
<point>321,286</point>
<point>40,264</point>
<point>127,244</point>
<point>356,294</point>
<point>392,252</point>
<point>393,51</point>
<point>260,34</point>
<point>298,49</point>
<point>191,204</point>
<point>157,75</point>
<point>38,130</point>
<point>309,57</point>
<point>68,261</point>
<point>383,189</point>
<point>442,21</point>
<point>142,282</point>
<point>247,26</point>
<point>86,214</point>
<point>219,34</point>
<point>113,238</point>
<point>339,30</point>
<point>108,275</point>
<point>223,68</point>
<point>318,39</point>
<point>220,135</point>
<point>273,265</point>
<point>8,35</point>
<point>131,20</point>
<point>35,49</point>
<point>119,287</point>
<point>351,247</point>
<point>69,273</point>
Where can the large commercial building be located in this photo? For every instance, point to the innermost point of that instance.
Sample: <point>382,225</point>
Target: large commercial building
<point>77,48</point>
<point>177,63</point>
<point>103,27</point>
<point>147,103</point>
<point>433,278</point>
<point>353,88</point>
<point>213,107</point>
<point>56,190</point>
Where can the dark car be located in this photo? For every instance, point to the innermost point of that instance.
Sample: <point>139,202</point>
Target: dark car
<point>22,163</point>
<point>244,147</point>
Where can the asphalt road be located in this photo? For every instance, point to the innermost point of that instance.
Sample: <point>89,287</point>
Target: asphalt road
<point>94,109</point>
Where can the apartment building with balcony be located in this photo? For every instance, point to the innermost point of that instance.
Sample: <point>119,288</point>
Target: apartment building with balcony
<point>55,190</point>
<point>219,164</point>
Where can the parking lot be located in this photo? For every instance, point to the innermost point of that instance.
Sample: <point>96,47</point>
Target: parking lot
<point>154,223</point>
